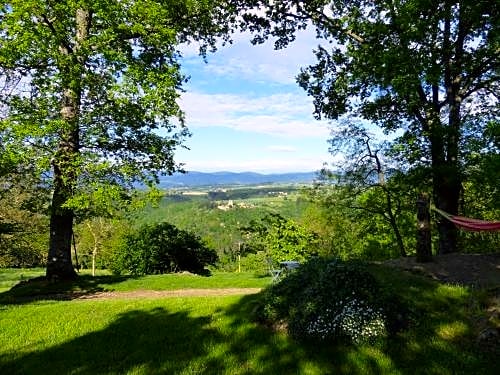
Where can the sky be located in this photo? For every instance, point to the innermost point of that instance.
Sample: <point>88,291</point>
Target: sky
<point>247,113</point>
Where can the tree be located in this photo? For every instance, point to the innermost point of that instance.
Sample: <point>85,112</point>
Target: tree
<point>23,222</point>
<point>363,173</point>
<point>416,68</point>
<point>92,96</point>
<point>23,213</point>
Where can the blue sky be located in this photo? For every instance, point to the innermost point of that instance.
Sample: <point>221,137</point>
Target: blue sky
<point>247,113</point>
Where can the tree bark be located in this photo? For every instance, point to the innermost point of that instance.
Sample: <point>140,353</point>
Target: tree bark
<point>424,243</point>
<point>447,196</point>
<point>59,265</point>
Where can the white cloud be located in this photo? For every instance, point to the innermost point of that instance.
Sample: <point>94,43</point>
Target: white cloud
<point>282,148</point>
<point>260,63</point>
<point>287,115</point>
<point>252,90</point>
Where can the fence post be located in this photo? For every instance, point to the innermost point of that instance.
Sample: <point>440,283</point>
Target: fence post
<point>424,246</point>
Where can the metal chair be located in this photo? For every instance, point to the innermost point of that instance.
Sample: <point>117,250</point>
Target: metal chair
<point>274,272</point>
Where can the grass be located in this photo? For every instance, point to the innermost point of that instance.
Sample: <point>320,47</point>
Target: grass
<point>11,276</point>
<point>217,335</point>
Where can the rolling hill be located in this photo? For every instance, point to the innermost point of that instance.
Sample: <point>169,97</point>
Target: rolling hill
<point>192,179</point>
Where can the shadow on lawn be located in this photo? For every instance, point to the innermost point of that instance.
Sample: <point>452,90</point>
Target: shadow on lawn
<point>154,341</point>
<point>40,289</point>
<point>441,340</point>
<point>157,341</point>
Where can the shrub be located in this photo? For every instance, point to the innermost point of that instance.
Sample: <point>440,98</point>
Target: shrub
<point>163,248</point>
<point>327,299</point>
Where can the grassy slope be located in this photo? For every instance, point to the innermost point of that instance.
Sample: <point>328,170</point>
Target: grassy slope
<point>217,336</point>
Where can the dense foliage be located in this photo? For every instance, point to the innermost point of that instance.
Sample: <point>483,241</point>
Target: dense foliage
<point>23,220</point>
<point>162,248</point>
<point>328,299</point>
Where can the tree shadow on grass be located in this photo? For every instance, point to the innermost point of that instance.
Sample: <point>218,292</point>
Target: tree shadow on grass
<point>41,289</point>
<point>158,341</point>
<point>149,342</point>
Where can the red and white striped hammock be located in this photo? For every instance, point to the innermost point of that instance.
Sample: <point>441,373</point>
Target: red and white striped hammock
<point>470,224</point>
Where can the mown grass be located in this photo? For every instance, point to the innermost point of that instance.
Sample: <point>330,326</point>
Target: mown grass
<point>217,335</point>
<point>104,281</point>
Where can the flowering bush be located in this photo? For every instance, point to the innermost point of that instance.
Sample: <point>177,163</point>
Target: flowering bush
<point>327,299</point>
<point>352,319</point>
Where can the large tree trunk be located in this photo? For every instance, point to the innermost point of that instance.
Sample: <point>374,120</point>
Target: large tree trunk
<point>446,197</point>
<point>445,184</point>
<point>59,265</point>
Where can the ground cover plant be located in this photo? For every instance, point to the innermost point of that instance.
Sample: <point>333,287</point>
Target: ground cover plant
<point>220,335</point>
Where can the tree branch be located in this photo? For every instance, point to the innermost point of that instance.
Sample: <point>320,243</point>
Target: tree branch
<point>62,43</point>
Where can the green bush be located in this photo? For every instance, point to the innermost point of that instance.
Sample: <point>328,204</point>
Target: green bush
<point>282,238</point>
<point>255,263</point>
<point>163,248</point>
<point>327,299</point>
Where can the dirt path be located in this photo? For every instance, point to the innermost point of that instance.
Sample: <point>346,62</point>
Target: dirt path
<point>171,293</point>
<point>467,269</point>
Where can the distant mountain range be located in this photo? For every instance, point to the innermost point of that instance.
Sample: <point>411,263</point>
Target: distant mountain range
<point>192,179</point>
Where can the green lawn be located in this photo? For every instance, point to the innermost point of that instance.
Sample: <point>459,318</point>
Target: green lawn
<point>217,335</point>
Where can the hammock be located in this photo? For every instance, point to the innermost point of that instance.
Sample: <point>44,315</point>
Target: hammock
<point>469,224</point>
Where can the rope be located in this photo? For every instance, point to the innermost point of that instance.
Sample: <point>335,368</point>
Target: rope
<point>468,223</point>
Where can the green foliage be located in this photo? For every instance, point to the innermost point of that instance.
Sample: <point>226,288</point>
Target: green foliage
<point>255,262</point>
<point>327,299</point>
<point>281,238</point>
<point>217,222</point>
<point>352,224</point>
<point>162,248</point>
<point>23,223</point>
<point>481,192</point>
<point>98,238</point>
